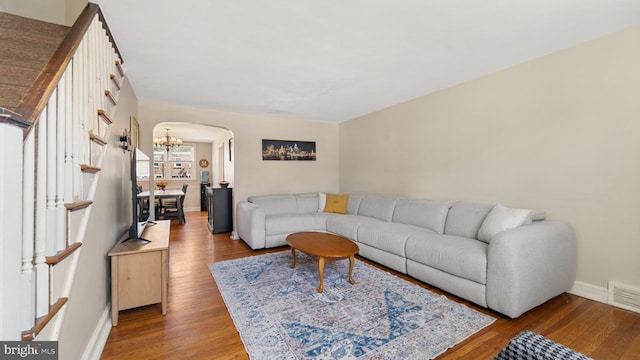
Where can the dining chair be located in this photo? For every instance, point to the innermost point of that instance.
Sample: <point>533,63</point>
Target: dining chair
<point>173,209</point>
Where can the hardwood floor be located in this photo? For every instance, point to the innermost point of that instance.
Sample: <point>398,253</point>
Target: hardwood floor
<point>198,325</point>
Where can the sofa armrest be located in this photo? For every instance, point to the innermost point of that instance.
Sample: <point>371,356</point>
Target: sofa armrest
<point>529,265</point>
<point>250,220</point>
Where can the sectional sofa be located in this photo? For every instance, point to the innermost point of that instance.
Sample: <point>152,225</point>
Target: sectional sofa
<point>506,259</point>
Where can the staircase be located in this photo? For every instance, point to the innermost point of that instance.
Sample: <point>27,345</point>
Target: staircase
<point>59,89</point>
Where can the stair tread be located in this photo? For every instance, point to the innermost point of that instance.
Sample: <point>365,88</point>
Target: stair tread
<point>89,169</point>
<point>97,139</point>
<point>63,254</point>
<point>78,205</point>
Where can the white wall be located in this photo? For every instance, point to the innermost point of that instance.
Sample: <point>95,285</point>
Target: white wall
<point>560,133</point>
<point>252,175</point>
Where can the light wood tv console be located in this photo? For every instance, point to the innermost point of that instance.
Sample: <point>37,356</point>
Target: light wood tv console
<point>140,270</point>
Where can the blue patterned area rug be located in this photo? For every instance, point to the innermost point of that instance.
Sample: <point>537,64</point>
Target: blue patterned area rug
<point>280,314</point>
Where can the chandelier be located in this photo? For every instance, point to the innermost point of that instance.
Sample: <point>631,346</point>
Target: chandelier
<point>169,143</point>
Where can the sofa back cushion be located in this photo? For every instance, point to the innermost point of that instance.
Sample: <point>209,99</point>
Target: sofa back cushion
<point>378,206</point>
<point>276,204</point>
<point>421,212</point>
<point>307,203</point>
<point>353,204</point>
<point>465,218</point>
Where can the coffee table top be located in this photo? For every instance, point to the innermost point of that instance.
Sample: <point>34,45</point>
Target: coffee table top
<point>322,244</point>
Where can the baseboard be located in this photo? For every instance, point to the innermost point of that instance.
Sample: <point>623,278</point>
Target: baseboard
<point>191,209</point>
<point>591,292</point>
<point>98,339</point>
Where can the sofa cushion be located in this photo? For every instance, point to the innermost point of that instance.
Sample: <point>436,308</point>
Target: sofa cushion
<point>354,203</point>
<point>502,218</point>
<point>336,203</point>
<point>465,218</point>
<point>276,204</point>
<point>378,206</point>
<point>456,255</point>
<point>425,213</point>
<point>346,225</point>
<point>390,237</point>
<point>289,223</point>
<point>307,203</point>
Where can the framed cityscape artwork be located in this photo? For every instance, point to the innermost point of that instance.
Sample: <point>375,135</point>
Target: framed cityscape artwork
<point>288,150</point>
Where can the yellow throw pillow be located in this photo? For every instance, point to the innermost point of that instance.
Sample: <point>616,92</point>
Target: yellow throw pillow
<point>336,203</point>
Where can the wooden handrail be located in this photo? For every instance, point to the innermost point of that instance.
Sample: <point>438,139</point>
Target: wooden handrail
<point>36,99</point>
<point>108,31</point>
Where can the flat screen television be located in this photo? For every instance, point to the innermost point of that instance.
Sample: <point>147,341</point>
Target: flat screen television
<point>139,206</point>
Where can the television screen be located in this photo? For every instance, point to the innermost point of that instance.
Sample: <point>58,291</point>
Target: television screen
<point>140,164</point>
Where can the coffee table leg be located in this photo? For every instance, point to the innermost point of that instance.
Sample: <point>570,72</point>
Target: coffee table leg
<point>293,255</point>
<point>321,273</point>
<point>351,262</point>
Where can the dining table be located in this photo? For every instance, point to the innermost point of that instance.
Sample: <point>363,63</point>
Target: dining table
<point>167,194</point>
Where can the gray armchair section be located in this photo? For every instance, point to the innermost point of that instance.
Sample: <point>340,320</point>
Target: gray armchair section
<point>529,265</point>
<point>251,221</point>
<point>433,241</point>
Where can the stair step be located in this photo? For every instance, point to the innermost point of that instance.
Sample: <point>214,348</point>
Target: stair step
<point>110,96</point>
<point>61,255</point>
<point>115,80</point>
<point>98,140</point>
<point>41,322</point>
<point>78,205</point>
<point>105,116</point>
<point>120,69</point>
<point>89,169</point>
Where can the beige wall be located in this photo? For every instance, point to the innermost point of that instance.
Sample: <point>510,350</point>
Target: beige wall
<point>560,133</point>
<point>63,12</point>
<point>73,10</point>
<point>252,175</point>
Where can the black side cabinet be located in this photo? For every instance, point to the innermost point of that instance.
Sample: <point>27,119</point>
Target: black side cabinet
<point>203,196</point>
<point>220,209</point>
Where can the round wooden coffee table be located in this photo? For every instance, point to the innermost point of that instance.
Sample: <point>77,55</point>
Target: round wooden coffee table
<point>323,247</point>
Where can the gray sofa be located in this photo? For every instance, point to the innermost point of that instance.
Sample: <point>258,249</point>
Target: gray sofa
<point>436,242</point>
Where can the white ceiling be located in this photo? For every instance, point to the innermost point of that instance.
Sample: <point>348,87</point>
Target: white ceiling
<point>334,60</point>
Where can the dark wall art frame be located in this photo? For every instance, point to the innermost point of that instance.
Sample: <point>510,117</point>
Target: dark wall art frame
<point>288,150</point>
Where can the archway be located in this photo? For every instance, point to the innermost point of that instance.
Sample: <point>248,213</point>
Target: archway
<point>205,157</point>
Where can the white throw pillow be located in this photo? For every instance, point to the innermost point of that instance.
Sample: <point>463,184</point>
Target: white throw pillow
<point>502,218</point>
<point>322,201</point>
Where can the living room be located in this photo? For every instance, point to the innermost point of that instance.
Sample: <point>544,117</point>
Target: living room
<point>557,133</point>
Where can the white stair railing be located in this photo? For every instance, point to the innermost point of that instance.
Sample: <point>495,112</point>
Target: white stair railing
<point>43,185</point>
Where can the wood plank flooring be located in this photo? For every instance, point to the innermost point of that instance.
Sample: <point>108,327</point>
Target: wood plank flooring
<point>198,325</point>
